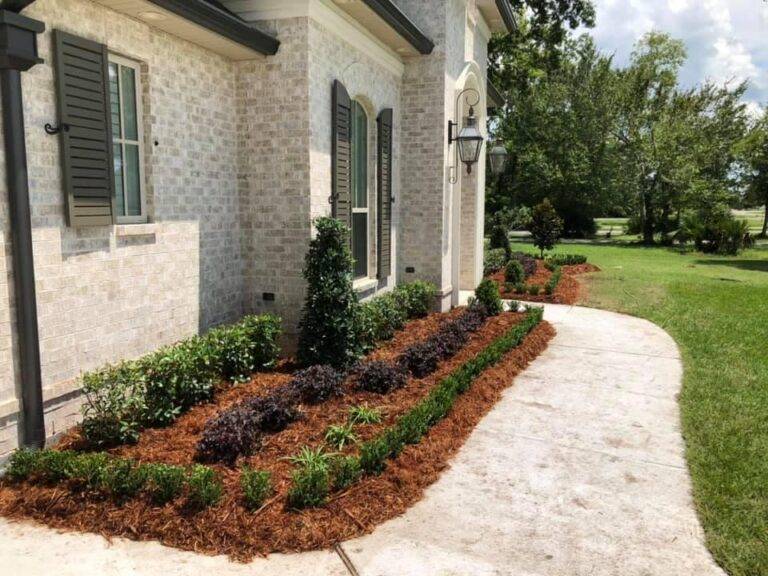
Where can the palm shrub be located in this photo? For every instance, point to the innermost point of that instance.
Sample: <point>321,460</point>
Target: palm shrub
<point>328,331</point>
<point>487,294</point>
<point>546,226</point>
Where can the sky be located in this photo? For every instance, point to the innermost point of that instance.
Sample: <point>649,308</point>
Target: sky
<point>727,40</point>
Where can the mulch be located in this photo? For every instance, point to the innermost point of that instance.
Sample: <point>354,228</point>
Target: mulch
<point>229,528</point>
<point>567,292</point>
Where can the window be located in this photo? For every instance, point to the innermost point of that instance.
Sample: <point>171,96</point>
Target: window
<point>128,139</point>
<point>360,212</point>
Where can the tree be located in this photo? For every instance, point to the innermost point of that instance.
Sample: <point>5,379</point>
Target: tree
<point>754,160</point>
<point>546,226</point>
<point>327,330</point>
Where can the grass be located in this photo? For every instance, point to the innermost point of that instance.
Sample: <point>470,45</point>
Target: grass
<point>716,308</point>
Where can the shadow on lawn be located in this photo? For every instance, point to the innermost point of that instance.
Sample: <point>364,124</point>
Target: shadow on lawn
<point>752,265</point>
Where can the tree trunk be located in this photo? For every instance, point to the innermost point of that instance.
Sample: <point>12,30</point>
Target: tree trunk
<point>648,219</point>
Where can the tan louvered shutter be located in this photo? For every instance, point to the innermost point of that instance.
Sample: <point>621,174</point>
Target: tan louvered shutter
<point>86,135</point>
<point>341,151</point>
<point>385,197</point>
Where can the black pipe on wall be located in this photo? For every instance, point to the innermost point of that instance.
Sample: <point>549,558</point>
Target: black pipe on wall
<point>33,424</point>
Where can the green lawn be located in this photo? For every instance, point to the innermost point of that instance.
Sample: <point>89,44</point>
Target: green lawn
<point>716,308</point>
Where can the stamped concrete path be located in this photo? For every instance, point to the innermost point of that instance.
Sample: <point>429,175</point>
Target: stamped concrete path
<point>578,471</point>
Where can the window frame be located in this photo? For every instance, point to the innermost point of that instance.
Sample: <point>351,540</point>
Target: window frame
<point>124,62</point>
<point>367,210</point>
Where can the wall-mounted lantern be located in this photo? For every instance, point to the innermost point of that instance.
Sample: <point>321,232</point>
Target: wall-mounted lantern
<point>497,157</point>
<point>469,139</point>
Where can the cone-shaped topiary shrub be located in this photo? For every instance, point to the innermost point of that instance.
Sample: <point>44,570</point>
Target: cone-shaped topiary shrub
<point>327,329</point>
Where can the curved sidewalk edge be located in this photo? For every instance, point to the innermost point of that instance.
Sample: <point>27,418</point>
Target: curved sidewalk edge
<point>578,470</point>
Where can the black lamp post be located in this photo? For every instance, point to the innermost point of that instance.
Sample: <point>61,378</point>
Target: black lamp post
<point>469,140</point>
<point>18,52</point>
<point>497,157</point>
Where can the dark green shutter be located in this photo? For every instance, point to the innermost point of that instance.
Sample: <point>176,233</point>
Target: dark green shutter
<point>385,198</point>
<point>86,136</point>
<point>341,154</point>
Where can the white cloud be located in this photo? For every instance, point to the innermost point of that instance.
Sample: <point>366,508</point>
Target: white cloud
<point>725,39</point>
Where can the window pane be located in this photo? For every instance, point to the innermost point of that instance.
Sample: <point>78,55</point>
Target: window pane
<point>132,181</point>
<point>119,193</point>
<point>128,81</point>
<point>114,97</point>
<point>360,244</point>
<point>359,156</point>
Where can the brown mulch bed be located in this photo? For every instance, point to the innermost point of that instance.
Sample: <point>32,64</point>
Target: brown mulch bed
<point>567,292</point>
<point>229,528</point>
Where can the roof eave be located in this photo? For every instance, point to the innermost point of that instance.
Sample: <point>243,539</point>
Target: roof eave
<point>507,15</point>
<point>403,25</point>
<point>223,23</point>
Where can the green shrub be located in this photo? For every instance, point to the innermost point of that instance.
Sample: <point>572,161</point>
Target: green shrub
<point>379,319</point>
<point>418,298</point>
<point>499,234</point>
<point>115,405</point>
<point>256,486</point>
<point>565,260</point>
<point>514,272</point>
<point>329,324</point>
<point>23,464</point>
<point>554,280</point>
<point>164,482</point>
<point>205,488</point>
<point>534,289</point>
<point>546,226</point>
<point>345,471</point>
<point>122,400</point>
<point>716,233</point>
<point>520,288</point>
<point>311,479</point>
<point>514,306</point>
<point>55,466</point>
<point>89,471</point>
<point>123,478</point>
<point>339,435</point>
<point>249,346</point>
<point>374,454</point>
<point>364,415</point>
<point>494,260</point>
<point>487,294</point>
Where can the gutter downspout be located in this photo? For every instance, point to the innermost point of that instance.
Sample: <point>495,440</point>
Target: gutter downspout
<point>18,53</point>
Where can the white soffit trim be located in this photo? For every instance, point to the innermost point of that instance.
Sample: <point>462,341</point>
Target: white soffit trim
<point>483,28</point>
<point>325,13</point>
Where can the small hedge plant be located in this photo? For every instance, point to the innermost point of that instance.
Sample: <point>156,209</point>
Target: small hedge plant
<point>256,486</point>
<point>566,259</point>
<point>514,272</point>
<point>123,399</point>
<point>205,488</point>
<point>554,281</point>
<point>311,480</point>
<point>487,294</point>
<point>527,261</point>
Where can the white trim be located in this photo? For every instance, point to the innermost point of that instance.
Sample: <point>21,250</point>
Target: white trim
<point>482,27</point>
<point>118,139</point>
<point>332,18</point>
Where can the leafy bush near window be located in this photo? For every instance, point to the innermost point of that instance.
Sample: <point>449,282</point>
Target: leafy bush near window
<point>124,399</point>
<point>417,298</point>
<point>380,377</point>
<point>494,260</point>
<point>317,384</point>
<point>256,486</point>
<point>205,488</point>
<point>328,327</point>
<point>513,272</point>
<point>487,294</point>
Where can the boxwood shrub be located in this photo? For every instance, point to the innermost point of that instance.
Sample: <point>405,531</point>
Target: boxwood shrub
<point>123,399</point>
<point>487,294</point>
<point>256,486</point>
<point>527,261</point>
<point>554,280</point>
<point>514,272</point>
<point>567,259</point>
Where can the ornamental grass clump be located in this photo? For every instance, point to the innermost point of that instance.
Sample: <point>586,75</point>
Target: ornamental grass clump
<point>380,377</point>
<point>205,488</point>
<point>311,479</point>
<point>329,323</point>
<point>256,486</point>
<point>364,415</point>
<point>339,435</point>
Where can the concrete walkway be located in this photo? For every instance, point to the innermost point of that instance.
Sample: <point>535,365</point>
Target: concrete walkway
<point>578,471</point>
